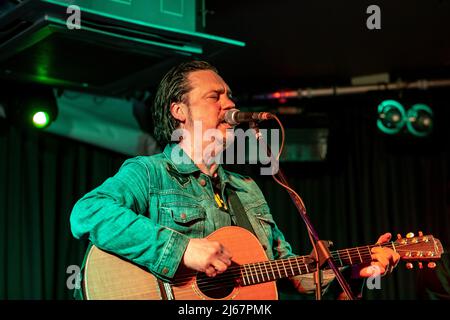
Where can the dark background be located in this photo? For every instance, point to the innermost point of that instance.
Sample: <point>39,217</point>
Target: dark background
<point>370,184</point>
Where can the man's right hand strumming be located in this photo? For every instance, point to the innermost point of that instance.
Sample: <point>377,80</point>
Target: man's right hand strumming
<point>207,256</point>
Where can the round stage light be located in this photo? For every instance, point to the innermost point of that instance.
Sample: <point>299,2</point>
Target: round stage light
<point>41,119</point>
<point>391,117</point>
<point>420,120</point>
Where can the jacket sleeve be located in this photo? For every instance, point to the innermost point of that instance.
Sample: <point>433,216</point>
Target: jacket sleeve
<point>111,217</point>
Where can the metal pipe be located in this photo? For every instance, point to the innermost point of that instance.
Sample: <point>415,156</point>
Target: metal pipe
<point>335,91</point>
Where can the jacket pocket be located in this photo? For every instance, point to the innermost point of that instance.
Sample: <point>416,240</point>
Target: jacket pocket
<point>185,218</point>
<point>267,223</point>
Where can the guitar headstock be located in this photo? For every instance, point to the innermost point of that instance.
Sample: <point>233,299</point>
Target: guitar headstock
<point>422,248</point>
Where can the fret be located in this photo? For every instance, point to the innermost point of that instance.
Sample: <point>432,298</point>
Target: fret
<point>284,267</point>
<point>298,266</point>
<point>273,272</point>
<point>262,273</point>
<point>251,273</point>
<point>256,272</point>
<point>348,253</point>
<point>357,249</point>
<point>293,273</point>
<point>306,265</point>
<point>246,273</point>
<point>242,275</point>
<point>340,260</point>
<point>393,246</point>
<point>278,269</point>
<point>267,272</point>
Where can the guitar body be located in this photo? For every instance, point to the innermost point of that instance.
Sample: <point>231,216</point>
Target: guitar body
<point>107,276</point>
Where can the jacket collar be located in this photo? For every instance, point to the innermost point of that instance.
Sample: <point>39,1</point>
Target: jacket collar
<point>184,164</point>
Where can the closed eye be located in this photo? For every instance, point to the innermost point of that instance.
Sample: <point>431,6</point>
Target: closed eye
<point>215,97</point>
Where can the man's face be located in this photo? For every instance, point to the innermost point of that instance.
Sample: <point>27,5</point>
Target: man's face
<point>208,100</point>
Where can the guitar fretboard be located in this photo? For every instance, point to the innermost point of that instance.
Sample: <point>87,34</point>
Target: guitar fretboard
<point>259,272</point>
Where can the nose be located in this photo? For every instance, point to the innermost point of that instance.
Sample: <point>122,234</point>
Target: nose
<point>228,104</point>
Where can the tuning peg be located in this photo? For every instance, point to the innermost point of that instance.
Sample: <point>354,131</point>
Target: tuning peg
<point>420,234</point>
<point>410,235</point>
<point>431,265</point>
<point>409,265</point>
<point>399,236</point>
<point>420,265</point>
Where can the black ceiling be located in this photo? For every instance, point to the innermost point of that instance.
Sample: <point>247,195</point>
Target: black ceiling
<point>323,42</point>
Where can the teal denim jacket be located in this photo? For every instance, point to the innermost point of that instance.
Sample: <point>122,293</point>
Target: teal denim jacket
<point>147,212</point>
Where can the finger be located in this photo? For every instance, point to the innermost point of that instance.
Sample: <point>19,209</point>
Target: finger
<point>225,259</point>
<point>379,268</point>
<point>384,238</point>
<point>210,271</point>
<point>386,252</point>
<point>373,270</point>
<point>219,266</point>
<point>226,253</point>
<point>216,248</point>
<point>382,259</point>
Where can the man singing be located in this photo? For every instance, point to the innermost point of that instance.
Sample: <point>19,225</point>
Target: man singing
<point>157,210</point>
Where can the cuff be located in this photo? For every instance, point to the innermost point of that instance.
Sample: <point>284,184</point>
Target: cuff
<point>172,255</point>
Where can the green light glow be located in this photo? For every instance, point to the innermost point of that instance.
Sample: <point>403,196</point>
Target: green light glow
<point>41,119</point>
<point>420,120</point>
<point>391,117</point>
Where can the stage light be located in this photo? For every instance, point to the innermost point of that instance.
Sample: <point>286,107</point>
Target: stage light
<point>31,106</point>
<point>41,119</point>
<point>420,120</point>
<point>391,117</point>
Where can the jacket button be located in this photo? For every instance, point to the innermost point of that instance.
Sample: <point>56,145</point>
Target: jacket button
<point>183,216</point>
<point>203,182</point>
<point>165,270</point>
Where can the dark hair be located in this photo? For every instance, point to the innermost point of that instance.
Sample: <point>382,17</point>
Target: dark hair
<point>173,88</point>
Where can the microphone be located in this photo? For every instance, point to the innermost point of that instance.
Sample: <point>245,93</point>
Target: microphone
<point>234,117</point>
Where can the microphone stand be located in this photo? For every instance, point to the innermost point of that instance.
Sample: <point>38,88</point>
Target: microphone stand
<point>322,254</point>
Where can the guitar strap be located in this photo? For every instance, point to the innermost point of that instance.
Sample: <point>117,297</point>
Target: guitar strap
<point>239,211</point>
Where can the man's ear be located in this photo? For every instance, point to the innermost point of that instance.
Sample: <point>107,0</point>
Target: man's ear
<point>177,109</point>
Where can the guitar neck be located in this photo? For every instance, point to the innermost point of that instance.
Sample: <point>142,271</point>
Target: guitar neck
<point>259,272</point>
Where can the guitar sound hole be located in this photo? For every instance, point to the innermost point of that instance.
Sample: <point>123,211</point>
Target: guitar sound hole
<point>217,287</point>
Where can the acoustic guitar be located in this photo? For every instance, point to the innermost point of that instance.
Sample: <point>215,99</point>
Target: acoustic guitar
<point>250,277</point>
